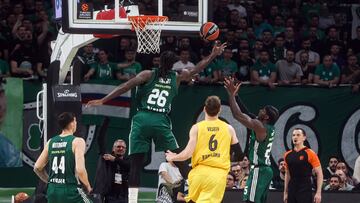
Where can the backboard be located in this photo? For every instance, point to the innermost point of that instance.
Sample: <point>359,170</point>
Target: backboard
<point>110,16</point>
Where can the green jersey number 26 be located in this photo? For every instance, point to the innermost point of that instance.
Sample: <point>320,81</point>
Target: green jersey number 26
<point>158,97</point>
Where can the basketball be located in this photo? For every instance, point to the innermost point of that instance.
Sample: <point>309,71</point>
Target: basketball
<point>20,197</point>
<point>209,31</point>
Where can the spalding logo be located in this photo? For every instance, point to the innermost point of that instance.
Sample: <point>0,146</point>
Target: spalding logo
<point>67,94</point>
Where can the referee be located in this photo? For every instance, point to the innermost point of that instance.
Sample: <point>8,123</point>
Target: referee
<point>299,164</point>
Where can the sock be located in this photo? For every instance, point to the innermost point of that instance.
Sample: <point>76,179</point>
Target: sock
<point>133,195</point>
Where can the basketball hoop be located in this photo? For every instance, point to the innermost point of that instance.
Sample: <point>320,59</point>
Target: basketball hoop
<point>148,30</point>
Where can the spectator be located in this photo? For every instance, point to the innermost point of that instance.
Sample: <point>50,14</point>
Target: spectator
<point>332,38</point>
<point>226,66</point>
<point>237,6</point>
<point>236,170</point>
<point>330,170</point>
<point>308,71</point>
<point>263,72</point>
<point>334,183</point>
<point>244,64</point>
<point>278,25</point>
<point>316,42</point>
<point>233,22</point>
<point>43,62</point>
<point>314,57</point>
<point>156,61</point>
<point>184,61</point>
<point>230,40</point>
<point>169,174</point>
<point>354,44</point>
<point>130,71</point>
<point>169,44</point>
<point>260,25</point>
<point>230,181</point>
<point>290,42</point>
<point>87,57</point>
<point>22,60</point>
<point>243,182</point>
<point>258,46</point>
<point>105,70</point>
<point>184,43</point>
<point>344,186</point>
<point>278,52</point>
<point>336,56</point>
<point>278,181</point>
<point>342,166</point>
<point>267,39</point>
<point>351,73</point>
<point>221,11</point>
<point>245,167</point>
<point>289,72</point>
<point>328,73</point>
<point>314,23</point>
<point>310,8</point>
<point>243,44</point>
<point>124,45</point>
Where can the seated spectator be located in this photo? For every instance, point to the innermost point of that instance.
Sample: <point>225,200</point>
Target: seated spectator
<point>22,60</point>
<point>290,42</point>
<point>342,166</point>
<point>156,61</point>
<point>308,71</point>
<point>278,25</point>
<point>263,72</point>
<point>258,46</point>
<point>104,70</point>
<point>334,183</point>
<point>289,72</point>
<point>278,52</point>
<point>169,174</point>
<point>336,56</point>
<point>184,44</point>
<point>330,170</point>
<point>226,66</point>
<point>354,44</point>
<point>245,62</point>
<point>332,38</point>
<point>314,57</point>
<point>351,73</point>
<point>316,43</point>
<point>230,181</point>
<point>260,25</point>
<point>267,39</point>
<point>327,73</point>
<point>278,180</point>
<point>130,67</point>
<point>245,166</point>
<point>236,5</point>
<point>243,182</point>
<point>184,61</point>
<point>344,186</point>
<point>87,57</point>
<point>236,170</point>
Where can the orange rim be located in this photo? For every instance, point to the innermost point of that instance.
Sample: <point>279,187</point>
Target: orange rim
<point>141,21</point>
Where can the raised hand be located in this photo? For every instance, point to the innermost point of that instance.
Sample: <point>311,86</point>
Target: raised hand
<point>231,86</point>
<point>170,155</point>
<point>218,49</point>
<point>95,102</point>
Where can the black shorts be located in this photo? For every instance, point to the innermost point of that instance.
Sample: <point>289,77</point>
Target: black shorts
<point>300,193</point>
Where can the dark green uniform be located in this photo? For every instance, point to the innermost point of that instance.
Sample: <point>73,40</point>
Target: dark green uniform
<point>151,122</point>
<point>63,185</point>
<point>261,173</point>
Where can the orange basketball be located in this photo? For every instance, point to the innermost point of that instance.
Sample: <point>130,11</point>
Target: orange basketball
<point>209,31</point>
<point>20,197</point>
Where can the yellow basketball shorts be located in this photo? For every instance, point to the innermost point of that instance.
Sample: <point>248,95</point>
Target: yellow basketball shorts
<point>206,184</point>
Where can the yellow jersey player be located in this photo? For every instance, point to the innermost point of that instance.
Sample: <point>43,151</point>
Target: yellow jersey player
<point>209,146</point>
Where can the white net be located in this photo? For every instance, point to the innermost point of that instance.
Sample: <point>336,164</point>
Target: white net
<point>148,31</point>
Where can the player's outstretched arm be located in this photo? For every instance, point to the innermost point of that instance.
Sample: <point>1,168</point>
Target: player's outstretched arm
<point>79,151</point>
<point>189,149</point>
<point>244,119</point>
<point>39,167</point>
<point>186,74</point>
<point>139,79</point>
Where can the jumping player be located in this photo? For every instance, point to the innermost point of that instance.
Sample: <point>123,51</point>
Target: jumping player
<point>261,138</point>
<point>65,155</point>
<point>156,90</point>
<point>209,146</point>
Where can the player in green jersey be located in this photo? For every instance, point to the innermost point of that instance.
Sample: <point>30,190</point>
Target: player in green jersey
<point>261,139</point>
<point>156,90</point>
<point>65,155</point>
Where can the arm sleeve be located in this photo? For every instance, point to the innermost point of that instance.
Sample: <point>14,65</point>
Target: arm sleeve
<point>313,158</point>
